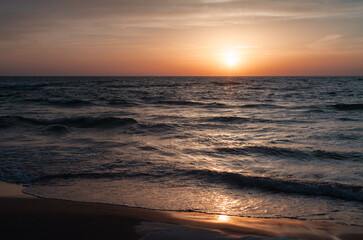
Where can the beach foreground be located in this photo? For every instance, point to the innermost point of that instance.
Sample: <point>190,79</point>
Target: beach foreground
<point>26,217</point>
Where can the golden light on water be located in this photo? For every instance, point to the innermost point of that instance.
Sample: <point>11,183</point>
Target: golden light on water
<point>223,218</point>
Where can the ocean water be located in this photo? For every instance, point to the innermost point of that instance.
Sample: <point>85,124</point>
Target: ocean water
<point>289,147</point>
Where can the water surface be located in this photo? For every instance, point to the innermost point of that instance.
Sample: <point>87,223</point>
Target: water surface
<point>248,146</point>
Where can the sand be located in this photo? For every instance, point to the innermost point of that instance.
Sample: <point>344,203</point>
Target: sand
<point>26,217</point>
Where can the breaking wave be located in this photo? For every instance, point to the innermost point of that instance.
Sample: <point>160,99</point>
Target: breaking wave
<point>285,186</point>
<point>293,153</point>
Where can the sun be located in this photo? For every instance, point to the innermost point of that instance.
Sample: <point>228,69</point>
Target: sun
<point>223,218</point>
<point>230,58</point>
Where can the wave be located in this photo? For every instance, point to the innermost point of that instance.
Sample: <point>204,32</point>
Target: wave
<point>56,129</point>
<point>274,151</point>
<point>346,119</point>
<point>260,105</point>
<point>276,185</point>
<point>225,83</point>
<point>69,102</point>
<point>333,190</point>
<point>62,176</point>
<point>21,85</point>
<point>292,153</point>
<point>214,105</point>
<point>229,119</point>
<point>353,156</point>
<point>189,103</point>
<point>159,127</point>
<point>348,107</point>
<point>61,102</point>
<point>120,102</point>
<point>237,120</point>
<point>78,122</point>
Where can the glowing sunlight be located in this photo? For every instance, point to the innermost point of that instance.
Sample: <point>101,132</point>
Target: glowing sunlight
<point>223,218</point>
<point>230,58</point>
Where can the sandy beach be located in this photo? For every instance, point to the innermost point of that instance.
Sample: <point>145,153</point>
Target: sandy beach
<point>27,217</point>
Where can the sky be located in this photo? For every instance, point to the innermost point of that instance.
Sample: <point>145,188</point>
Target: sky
<point>181,37</point>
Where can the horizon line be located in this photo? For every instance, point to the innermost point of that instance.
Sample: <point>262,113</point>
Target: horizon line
<point>181,75</point>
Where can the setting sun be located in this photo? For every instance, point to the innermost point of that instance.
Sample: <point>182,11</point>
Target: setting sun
<point>230,58</point>
<point>223,218</point>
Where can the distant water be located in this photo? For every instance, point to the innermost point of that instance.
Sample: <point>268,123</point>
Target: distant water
<point>248,146</point>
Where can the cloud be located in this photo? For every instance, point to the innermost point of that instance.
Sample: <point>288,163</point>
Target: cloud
<point>19,16</point>
<point>46,22</point>
<point>327,42</point>
<point>329,38</point>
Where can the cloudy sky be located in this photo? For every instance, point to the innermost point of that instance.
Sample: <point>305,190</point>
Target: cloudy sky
<point>181,37</point>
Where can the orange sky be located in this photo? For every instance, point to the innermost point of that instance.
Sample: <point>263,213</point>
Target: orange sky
<point>183,37</point>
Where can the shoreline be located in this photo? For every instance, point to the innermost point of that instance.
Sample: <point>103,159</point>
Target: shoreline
<point>25,216</point>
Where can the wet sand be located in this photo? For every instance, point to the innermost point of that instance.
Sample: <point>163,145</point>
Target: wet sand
<point>26,217</point>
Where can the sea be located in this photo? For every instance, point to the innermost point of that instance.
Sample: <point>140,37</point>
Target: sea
<point>264,147</point>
